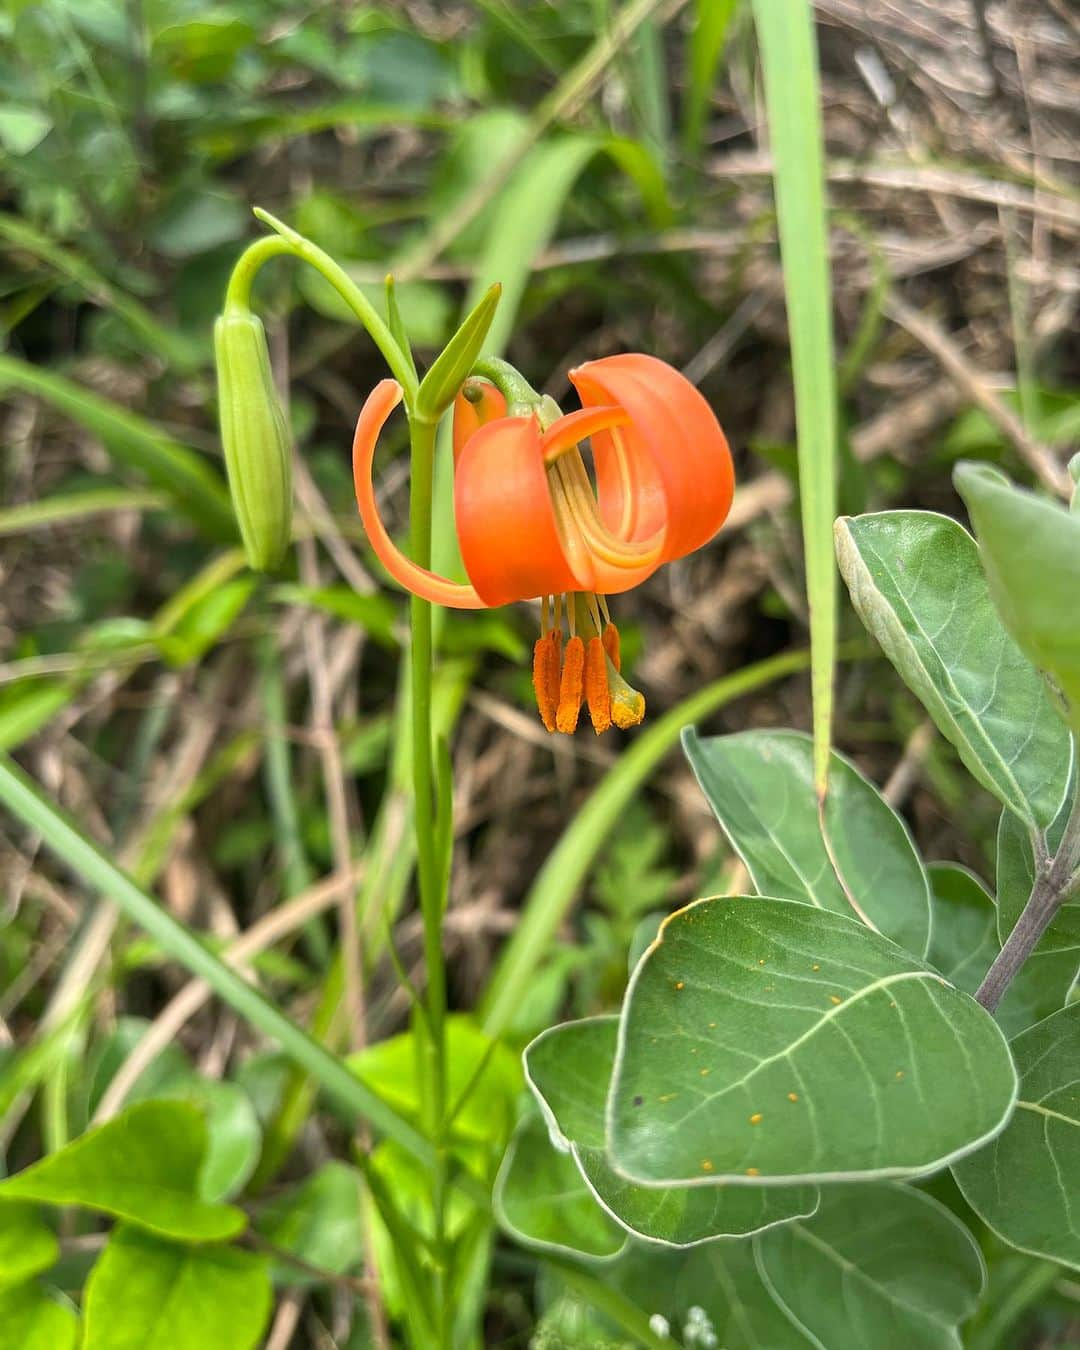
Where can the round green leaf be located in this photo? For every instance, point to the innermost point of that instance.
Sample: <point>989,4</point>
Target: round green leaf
<point>145,1294</point>
<point>541,1198</point>
<point>765,1041</point>
<point>569,1069</point>
<point>1025,1185</point>
<point>30,1319</point>
<point>876,1266</point>
<point>917,585</point>
<point>1030,550</point>
<point>27,1244</point>
<point>144,1165</point>
<point>857,857</point>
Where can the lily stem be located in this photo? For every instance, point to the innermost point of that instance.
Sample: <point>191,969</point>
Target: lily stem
<point>1056,880</point>
<point>432,1037</point>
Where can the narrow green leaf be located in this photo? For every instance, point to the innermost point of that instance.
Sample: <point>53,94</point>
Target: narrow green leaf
<point>27,1244</point>
<point>451,367</point>
<point>22,797</point>
<point>71,506</point>
<point>712,20</point>
<point>145,1294</point>
<point>916,583</point>
<point>1025,1185</point>
<point>877,1265</point>
<point>856,859</point>
<point>792,99</point>
<point>569,1069</point>
<point>32,1320</point>
<point>542,1199</point>
<point>186,476</point>
<point>765,1041</point>
<point>143,1165</point>
<point>395,322</point>
<point>1030,550</point>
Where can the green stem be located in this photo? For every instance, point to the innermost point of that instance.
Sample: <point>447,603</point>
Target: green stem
<point>23,799</point>
<point>287,241</point>
<point>429,873</point>
<point>521,397</point>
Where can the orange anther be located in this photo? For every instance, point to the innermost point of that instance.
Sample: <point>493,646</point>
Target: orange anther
<point>596,686</point>
<point>571,687</point>
<point>627,708</point>
<point>610,637</point>
<point>546,677</point>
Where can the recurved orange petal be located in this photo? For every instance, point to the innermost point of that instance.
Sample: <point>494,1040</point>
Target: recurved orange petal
<point>670,466</point>
<point>505,522</point>
<point>380,403</point>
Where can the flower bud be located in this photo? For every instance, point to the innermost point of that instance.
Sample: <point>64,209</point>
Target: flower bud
<point>255,438</point>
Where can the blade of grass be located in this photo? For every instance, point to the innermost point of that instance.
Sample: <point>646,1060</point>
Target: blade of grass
<point>789,60</point>
<point>557,883</point>
<point>77,506</point>
<point>712,19</point>
<point>28,804</point>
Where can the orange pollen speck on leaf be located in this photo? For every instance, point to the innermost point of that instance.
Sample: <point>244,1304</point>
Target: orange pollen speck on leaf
<point>571,687</point>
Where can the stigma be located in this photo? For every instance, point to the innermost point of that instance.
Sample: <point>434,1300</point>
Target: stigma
<point>585,671</point>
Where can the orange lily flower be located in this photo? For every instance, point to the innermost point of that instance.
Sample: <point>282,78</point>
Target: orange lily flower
<point>531,524</point>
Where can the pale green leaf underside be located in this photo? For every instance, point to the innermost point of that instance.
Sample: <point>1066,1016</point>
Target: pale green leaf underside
<point>917,585</point>
<point>542,1199</point>
<point>144,1166</point>
<point>145,1294</point>
<point>569,1069</point>
<point>1025,1185</point>
<point>766,1041</point>
<point>877,1265</point>
<point>761,786</point>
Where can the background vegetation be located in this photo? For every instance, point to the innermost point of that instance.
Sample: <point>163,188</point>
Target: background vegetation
<point>233,742</point>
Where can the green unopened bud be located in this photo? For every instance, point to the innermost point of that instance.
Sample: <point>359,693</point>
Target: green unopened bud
<point>254,437</point>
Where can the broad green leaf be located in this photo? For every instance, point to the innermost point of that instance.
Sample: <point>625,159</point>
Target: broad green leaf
<point>27,1244</point>
<point>917,585</point>
<point>22,129</point>
<point>318,1223</point>
<point>1025,1184</point>
<point>32,1320</point>
<point>710,1296</point>
<point>876,1266</point>
<point>1042,985</point>
<point>712,20</point>
<point>965,937</point>
<point>390,1067</point>
<point>764,1038</point>
<point>145,1294</point>
<point>143,1165</point>
<point>542,1198</point>
<point>569,1069</point>
<point>859,860</point>
<point>1030,551</point>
